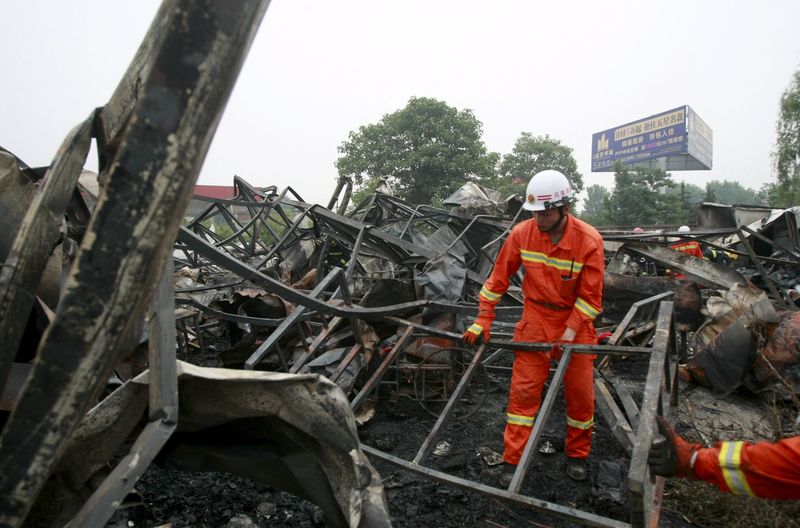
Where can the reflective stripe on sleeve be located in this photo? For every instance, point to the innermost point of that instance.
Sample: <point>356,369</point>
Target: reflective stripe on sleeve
<point>587,309</point>
<point>475,329</point>
<point>489,295</point>
<point>518,419</point>
<point>730,457</point>
<point>580,425</point>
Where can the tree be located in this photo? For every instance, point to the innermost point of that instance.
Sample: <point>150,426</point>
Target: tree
<point>689,192</point>
<point>425,151</point>
<point>639,198</point>
<point>531,155</point>
<point>787,156</point>
<point>711,196</point>
<point>689,196</point>
<point>732,192</point>
<point>594,205</point>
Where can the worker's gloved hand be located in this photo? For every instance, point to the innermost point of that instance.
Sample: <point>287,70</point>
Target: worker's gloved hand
<point>481,328</point>
<point>671,455</point>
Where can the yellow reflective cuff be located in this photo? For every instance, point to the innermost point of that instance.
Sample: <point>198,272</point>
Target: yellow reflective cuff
<point>489,295</point>
<point>730,458</point>
<point>518,419</point>
<point>580,425</point>
<point>475,329</point>
<point>587,309</point>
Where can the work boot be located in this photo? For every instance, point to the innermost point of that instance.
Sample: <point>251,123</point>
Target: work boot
<point>506,474</point>
<point>577,469</point>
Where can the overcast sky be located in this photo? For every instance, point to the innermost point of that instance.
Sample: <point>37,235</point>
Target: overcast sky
<point>320,68</point>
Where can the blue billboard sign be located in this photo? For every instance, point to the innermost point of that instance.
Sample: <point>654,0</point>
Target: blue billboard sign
<point>673,140</point>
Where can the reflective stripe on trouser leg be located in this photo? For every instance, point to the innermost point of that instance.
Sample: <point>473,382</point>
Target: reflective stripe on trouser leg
<point>528,375</point>
<point>579,394</point>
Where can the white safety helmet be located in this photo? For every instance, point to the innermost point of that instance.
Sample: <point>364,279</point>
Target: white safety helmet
<point>547,189</point>
<point>684,229</point>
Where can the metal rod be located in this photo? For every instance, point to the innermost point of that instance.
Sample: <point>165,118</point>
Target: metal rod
<point>315,344</point>
<point>287,323</point>
<point>163,373</point>
<point>451,403</point>
<point>345,362</point>
<point>378,375</point>
<point>541,418</point>
<point>584,518</point>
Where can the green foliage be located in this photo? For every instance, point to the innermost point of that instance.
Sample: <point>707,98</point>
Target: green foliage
<point>639,198</point>
<point>711,196</point>
<point>732,192</point>
<point>689,192</point>
<point>594,205</point>
<point>534,154</point>
<point>426,150</point>
<point>787,157</point>
<point>689,195</point>
<point>767,194</point>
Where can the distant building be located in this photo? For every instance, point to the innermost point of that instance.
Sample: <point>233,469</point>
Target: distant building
<point>217,192</point>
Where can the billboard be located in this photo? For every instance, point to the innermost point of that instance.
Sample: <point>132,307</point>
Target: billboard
<point>673,140</point>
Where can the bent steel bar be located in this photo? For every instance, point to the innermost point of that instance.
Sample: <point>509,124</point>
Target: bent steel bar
<point>573,514</point>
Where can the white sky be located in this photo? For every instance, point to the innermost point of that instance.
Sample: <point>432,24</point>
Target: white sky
<point>320,68</point>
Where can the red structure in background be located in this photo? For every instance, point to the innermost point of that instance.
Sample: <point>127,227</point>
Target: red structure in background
<point>220,192</point>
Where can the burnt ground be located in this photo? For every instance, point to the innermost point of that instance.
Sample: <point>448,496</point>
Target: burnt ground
<point>179,499</point>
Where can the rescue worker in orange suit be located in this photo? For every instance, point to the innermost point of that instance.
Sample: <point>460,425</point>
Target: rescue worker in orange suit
<point>563,288</point>
<point>766,470</point>
<point>690,247</point>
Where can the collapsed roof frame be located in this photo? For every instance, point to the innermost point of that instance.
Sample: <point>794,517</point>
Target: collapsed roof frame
<point>648,321</point>
<point>149,164</point>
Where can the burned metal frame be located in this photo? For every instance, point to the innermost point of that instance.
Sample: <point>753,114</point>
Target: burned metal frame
<point>639,326</point>
<point>660,389</point>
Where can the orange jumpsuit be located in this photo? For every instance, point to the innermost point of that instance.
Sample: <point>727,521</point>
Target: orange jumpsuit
<point>690,247</point>
<point>766,470</point>
<point>563,287</point>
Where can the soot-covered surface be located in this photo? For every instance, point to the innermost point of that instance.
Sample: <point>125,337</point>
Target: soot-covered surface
<point>400,425</point>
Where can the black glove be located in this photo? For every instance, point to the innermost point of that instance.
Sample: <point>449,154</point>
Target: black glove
<point>670,455</point>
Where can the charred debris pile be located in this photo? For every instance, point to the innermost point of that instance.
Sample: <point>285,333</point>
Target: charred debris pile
<point>312,318</point>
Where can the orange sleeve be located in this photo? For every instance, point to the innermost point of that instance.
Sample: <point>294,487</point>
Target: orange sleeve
<point>505,265</point>
<point>766,470</point>
<point>589,303</point>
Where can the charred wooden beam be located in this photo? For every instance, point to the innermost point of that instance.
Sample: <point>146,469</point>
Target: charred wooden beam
<point>656,400</point>
<point>197,51</point>
<point>36,237</point>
